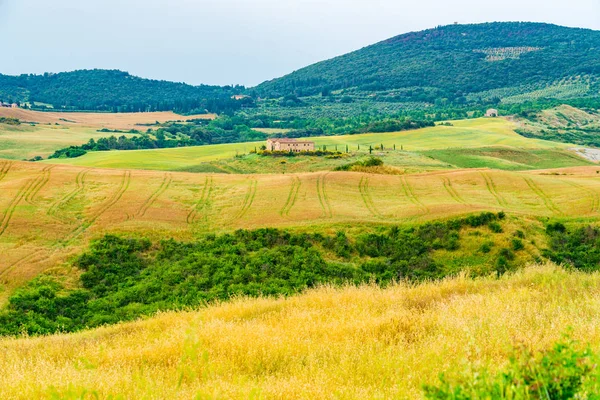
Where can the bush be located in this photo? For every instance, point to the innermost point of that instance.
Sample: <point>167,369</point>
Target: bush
<point>561,373</point>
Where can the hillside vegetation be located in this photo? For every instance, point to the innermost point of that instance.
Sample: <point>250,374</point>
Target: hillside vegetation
<point>490,142</point>
<point>116,91</point>
<point>355,343</point>
<point>489,62</point>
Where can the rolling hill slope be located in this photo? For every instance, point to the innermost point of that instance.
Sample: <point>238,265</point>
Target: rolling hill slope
<point>460,63</point>
<point>47,212</point>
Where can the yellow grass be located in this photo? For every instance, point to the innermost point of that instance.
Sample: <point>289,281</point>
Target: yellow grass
<point>353,343</point>
<point>47,212</point>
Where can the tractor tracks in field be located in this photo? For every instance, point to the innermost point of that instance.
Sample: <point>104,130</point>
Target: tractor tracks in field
<point>4,168</point>
<point>123,186</point>
<point>594,196</point>
<point>31,257</point>
<point>202,205</point>
<point>28,190</point>
<point>323,198</point>
<point>292,197</point>
<point>451,191</point>
<point>491,187</point>
<point>79,187</point>
<point>249,199</point>
<point>410,194</point>
<point>365,193</point>
<point>39,185</point>
<point>543,196</point>
<point>166,182</point>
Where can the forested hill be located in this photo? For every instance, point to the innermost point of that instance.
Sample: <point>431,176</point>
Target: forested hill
<point>453,62</point>
<point>117,91</point>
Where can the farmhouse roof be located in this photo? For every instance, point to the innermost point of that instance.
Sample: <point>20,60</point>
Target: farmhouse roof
<point>287,140</point>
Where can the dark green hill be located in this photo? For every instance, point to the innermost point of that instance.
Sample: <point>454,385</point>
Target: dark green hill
<point>111,90</point>
<point>460,63</point>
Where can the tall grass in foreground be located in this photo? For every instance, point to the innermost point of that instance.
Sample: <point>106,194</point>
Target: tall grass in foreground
<point>351,343</point>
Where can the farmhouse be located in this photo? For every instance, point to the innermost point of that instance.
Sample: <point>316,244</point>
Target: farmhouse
<point>8,105</point>
<point>292,145</point>
<point>492,113</point>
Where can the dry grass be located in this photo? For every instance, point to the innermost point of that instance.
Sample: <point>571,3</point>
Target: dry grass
<point>351,343</point>
<point>97,120</point>
<point>49,212</point>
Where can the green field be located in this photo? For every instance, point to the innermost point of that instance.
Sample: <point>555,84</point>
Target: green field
<point>411,152</point>
<point>26,141</point>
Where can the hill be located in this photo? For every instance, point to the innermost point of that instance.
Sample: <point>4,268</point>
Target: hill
<point>459,64</point>
<point>358,343</point>
<point>116,91</point>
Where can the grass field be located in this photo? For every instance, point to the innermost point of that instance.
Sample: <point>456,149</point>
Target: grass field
<point>411,151</point>
<point>47,212</point>
<point>55,131</point>
<point>123,121</point>
<point>352,343</point>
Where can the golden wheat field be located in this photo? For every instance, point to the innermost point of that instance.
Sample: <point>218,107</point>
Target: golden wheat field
<point>98,120</point>
<point>352,343</point>
<point>48,212</point>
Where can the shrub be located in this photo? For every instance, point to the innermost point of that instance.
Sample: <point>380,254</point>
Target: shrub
<point>561,373</point>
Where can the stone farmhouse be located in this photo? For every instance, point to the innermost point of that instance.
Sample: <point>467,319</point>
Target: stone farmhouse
<point>492,113</point>
<point>7,105</point>
<point>287,145</point>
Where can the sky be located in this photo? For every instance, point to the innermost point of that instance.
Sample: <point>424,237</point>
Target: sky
<point>234,41</point>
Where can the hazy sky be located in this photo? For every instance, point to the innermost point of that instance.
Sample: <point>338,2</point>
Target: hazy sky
<point>234,41</point>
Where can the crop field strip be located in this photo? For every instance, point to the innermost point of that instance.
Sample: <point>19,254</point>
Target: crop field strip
<point>292,197</point>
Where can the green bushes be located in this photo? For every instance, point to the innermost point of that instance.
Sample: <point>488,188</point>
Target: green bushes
<point>123,279</point>
<point>564,372</point>
<point>578,248</point>
<point>369,162</point>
